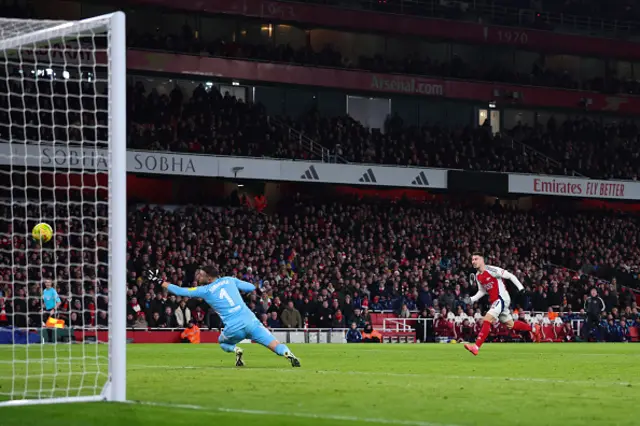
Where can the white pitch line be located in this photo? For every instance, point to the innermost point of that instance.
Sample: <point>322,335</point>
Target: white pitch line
<point>415,375</point>
<point>334,417</point>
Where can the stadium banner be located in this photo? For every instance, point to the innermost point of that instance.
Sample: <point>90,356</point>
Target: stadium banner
<point>164,163</point>
<point>362,20</point>
<point>574,187</point>
<point>361,81</point>
<point>348,174</point>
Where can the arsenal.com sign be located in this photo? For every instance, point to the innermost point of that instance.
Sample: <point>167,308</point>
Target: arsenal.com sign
<point>574,187</point>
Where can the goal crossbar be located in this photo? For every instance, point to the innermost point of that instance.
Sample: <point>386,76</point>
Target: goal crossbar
<point>114,25</point>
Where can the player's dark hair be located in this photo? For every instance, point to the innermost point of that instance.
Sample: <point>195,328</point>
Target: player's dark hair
<point>212,271</point>
<point>478,253</point>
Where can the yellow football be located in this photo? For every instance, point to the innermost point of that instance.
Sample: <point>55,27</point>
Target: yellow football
<point>42,232</point>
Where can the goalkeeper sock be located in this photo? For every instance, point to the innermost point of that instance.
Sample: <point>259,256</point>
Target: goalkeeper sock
<point>227,347</point>
<point>521,326</point>
<point>484,333</point>
<point>281,349</point>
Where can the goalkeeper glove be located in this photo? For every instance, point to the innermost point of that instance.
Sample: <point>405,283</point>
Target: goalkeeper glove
<point>154,277</point>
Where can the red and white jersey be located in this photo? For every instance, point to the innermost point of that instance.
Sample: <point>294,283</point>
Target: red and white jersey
<point>491,282</point>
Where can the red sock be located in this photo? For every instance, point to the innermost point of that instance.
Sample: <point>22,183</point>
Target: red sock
<point>484,333</point>
<point>521,326</point>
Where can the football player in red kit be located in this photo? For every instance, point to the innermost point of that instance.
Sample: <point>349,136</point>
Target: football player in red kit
<point>490,282</point>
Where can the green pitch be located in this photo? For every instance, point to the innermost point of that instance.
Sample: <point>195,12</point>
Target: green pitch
<point>410,385</point>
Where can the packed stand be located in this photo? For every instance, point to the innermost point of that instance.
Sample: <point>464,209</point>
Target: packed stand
<point>331,265</point>
<point>205,122</point>
<point>597,150</point>
<point>457,68</point>
<point>208,122</point>
<point>464,148</point>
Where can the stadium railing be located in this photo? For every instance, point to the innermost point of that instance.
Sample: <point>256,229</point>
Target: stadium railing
<point>409,324</point>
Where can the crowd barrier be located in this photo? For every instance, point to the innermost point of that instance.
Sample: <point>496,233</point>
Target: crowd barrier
<point>285,335</point>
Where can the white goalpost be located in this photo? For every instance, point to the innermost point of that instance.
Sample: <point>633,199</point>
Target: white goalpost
<point>63,163</point>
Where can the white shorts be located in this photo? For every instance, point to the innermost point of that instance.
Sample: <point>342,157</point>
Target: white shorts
<point>500,310</point>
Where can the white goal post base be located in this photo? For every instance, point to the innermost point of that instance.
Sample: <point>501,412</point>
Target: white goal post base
<point>38,55</point>
<point>47,401</point>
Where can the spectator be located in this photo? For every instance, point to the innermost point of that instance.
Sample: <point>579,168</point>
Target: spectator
<point>358,318</point>
<point>76,320</point>
<point>158,305</point>
<point>130,320</point>
<point>366,314</point>
<point>156,321</point>
<point>291,317</point>
<point>183,314</point>
<point>324,316</point>
<point>168,319</point>
<point>273,321</point>
<point>140,321</point>
<point>347,308</point>
<point>199,316</point>
<point>338,320</point>
<point>103,320</point>
<point>134,307</point>
<point>276,306</point>
<point>404,312</point>
<point>353,334</point>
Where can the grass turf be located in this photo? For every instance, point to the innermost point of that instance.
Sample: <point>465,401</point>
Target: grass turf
<point>419,385</point>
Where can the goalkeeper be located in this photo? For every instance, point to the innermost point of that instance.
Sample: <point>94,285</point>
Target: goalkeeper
<point>223,295</point>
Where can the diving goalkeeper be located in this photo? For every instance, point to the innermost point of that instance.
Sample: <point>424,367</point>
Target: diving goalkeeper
<point>223,295</point>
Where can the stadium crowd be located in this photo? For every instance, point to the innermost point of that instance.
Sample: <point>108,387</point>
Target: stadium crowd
<point>326,265</point>
<point>330,265</point>
<point>210,122</point>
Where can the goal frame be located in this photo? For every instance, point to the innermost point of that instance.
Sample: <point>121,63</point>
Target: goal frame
<point>114,23</point>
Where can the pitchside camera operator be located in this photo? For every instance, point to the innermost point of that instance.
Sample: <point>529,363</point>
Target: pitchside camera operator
<point>593,306</point>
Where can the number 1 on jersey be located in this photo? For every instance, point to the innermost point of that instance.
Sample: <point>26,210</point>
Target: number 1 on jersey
<point>225,295</point>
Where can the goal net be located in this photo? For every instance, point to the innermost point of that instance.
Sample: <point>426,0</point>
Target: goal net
<point>62,163</point>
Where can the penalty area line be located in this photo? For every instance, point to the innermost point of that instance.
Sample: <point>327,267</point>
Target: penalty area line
<point>332,417</point>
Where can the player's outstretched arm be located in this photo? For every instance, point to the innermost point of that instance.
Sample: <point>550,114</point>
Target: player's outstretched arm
<point>154,277</point>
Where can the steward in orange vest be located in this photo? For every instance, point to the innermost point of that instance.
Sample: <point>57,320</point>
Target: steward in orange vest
<point>191,334</point>
<point>369,335</point>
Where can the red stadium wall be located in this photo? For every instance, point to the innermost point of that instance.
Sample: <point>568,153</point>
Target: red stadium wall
<point>148,336</point>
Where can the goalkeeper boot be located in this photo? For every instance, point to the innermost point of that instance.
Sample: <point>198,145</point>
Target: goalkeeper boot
<point>295,362</point>
<point>239,361</point>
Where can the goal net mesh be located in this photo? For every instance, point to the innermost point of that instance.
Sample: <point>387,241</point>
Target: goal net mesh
<point>54,157</point>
